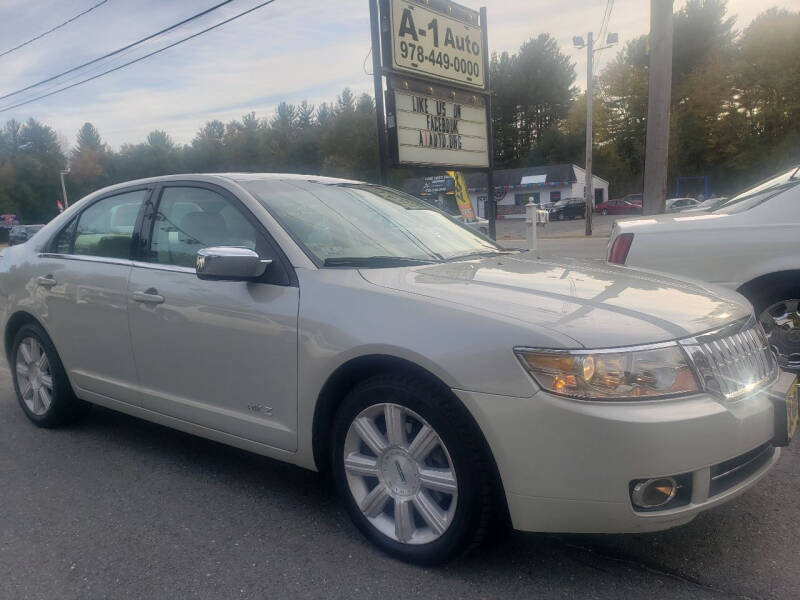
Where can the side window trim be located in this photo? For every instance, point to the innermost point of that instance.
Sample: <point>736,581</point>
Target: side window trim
<point>142,257</point>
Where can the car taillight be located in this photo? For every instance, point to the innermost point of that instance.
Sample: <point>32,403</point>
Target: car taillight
<point>619,249</point>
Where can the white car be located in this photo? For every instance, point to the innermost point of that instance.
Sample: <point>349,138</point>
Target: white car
<point>706,205</point>
<point>751,243</point>
<point>679,204</point>
<point>444,382</point>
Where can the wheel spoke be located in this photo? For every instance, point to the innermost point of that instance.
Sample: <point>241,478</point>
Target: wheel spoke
<point>47,382</point>
<point>431,513</point>
<point>403,519</point>
<point>24,388</point>
<point>25,350</point>
<point>42,362</point>
<point>358,464</point>
<point>370,435</point>
<point>22,370</point>
<point>372,505</point>
<point>44,398</point>
<point>35,349</point>
<point>36,402</point>
<point>425,441</point>
<point>395,425</point>
<point>441,480</point>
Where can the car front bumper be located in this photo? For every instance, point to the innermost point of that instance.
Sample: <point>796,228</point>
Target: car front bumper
<point>567,466</point>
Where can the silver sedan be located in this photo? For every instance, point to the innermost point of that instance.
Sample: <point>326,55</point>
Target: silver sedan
<point>446,384</point>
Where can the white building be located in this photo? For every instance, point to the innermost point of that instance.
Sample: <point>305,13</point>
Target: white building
<point>513,188</point>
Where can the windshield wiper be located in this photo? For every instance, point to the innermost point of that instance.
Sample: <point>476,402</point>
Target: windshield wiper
<point>479,254</point>
<point>375,261</point>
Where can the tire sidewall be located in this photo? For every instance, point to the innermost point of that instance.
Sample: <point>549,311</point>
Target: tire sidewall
<point>62,392</point>
<point>454,540</point>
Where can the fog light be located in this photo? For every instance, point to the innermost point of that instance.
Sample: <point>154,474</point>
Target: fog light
<point>654,493</point>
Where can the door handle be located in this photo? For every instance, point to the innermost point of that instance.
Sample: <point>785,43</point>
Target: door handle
<point>46,282</point>
<point>149,296</point>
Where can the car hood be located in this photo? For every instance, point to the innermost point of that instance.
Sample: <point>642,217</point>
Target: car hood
<point>595,304</point>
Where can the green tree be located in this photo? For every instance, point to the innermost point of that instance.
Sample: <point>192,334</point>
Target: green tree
<point>533,91</point>
<point>89,163</point>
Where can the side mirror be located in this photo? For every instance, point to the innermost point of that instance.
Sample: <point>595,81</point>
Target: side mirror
<point>229,263</point>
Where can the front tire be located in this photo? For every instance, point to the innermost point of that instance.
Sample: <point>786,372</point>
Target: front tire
<point>40,382</point>
<point>777,307</point>
<point>409,464</point>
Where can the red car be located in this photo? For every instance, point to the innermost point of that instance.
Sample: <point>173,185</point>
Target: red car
<point>629,205</point>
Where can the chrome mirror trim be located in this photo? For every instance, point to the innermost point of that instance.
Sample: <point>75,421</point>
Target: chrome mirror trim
<point>229,263</point>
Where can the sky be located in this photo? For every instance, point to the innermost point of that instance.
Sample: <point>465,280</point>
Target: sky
<point>290,50</point>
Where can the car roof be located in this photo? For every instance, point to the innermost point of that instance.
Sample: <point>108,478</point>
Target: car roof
<point>237,177</point>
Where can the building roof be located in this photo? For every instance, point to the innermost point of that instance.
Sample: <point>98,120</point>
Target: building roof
<point>552,175</point>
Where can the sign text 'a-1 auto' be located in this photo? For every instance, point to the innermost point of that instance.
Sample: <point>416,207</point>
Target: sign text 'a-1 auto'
<point>438,39</point>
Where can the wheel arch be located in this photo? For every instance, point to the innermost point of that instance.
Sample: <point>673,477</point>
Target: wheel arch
<point>751,288</point>
<point>13,325</point>
<point>347,375</point>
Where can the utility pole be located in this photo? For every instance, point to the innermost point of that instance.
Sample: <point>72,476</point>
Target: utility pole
<point>658,107</point>
<point>589,179</point>
<point>64,188</point>
<point>377,77</point>
<point>590,50</point>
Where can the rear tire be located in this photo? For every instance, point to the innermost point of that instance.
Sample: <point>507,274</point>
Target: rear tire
<point>40,382</point>
<point>422,502</point>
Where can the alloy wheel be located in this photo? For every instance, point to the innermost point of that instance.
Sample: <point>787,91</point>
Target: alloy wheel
<point>34,378</point>
<point>781,323</point>
<point>400,474</point>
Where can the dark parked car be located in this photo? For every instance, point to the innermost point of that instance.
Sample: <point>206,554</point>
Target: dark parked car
<point>568,208</point>
<point>21,233</point>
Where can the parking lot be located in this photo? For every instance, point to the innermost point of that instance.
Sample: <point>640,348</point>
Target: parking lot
<point>115,507</point>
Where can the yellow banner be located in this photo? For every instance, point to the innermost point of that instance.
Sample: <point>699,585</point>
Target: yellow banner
<point>462,196</point>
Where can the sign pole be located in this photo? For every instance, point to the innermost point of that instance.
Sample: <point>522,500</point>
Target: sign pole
<point>377,76</point>
<point>491,210</point>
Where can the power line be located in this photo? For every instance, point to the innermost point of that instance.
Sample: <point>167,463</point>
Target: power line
<point>117,68</point>
<point>49,31</point>
<point>115,52</point>
<point>604,23</point>
<point>604,29</point>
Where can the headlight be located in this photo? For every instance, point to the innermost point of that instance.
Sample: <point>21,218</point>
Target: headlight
<point>611,374</point>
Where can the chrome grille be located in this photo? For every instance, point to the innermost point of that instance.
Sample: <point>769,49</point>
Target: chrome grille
<point>732,361</point>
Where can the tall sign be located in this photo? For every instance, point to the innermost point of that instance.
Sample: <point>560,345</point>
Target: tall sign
<point>433,54</point>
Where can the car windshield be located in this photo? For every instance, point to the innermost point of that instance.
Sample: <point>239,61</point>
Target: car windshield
<point>563,202</point>
<point>337,222</point>
<point>760,193</point>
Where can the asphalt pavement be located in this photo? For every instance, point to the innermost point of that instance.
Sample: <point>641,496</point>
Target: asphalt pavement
<point>115,507</point>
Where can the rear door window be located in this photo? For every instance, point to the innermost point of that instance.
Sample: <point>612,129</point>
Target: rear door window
<point>105,229</point>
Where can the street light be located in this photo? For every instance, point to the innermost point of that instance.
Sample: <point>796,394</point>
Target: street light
<point>578,42</point>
